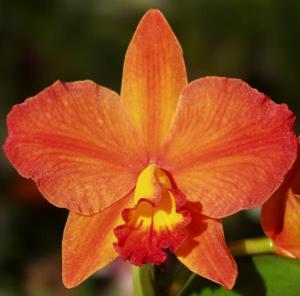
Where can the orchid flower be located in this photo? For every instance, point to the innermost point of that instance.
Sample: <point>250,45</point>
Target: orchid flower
<point>154,168</point>
<point>280,215</point>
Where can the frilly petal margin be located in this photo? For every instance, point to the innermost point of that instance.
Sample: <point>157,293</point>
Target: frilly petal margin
<point>153,77</point>
<point>229,146</point>
<point>77,143</point>
<point>205,252</point>
<point>151,228</point>
<point>88,242</point>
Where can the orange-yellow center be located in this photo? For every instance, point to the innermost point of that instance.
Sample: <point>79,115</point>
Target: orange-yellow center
<point>154,183</point>
<point>155,223</point>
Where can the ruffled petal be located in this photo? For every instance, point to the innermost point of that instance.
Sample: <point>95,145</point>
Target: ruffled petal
<point>153,76</point>
<point>88,242</point>
<point>150,229</point>
<point>205,252</point>
<point>77,143</point>
<point>230,145</point>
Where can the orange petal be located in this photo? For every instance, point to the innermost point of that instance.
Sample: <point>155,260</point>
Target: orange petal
<point>273,210</point>
<point>272,213</point>
<point>77,143</point>
<point>230,145</point>
<point>153,76</point>
<point>88,242</point>
<point>289,238</point>
<point>280,215</point>
<point>205,252</point>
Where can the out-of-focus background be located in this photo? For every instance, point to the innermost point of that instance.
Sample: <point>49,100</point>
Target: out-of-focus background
<point>42,41</point>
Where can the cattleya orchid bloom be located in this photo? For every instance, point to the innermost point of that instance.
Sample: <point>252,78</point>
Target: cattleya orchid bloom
<point>155,168</point>
<point>280,215</point>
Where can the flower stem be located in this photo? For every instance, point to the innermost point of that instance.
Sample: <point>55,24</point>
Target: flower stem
<point>251,246</point>
<point>186,285</point>
<point>143,278</point>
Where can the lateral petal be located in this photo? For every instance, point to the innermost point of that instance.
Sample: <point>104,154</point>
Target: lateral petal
<point>205,252</point>
<point>88,242</point>
<point>76,141</point>
<point>153,76</point>
<point>230,145</point>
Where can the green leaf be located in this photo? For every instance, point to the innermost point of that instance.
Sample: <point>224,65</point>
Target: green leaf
<point>263,275</point>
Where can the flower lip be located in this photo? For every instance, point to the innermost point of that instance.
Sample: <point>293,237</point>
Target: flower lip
<point>155,223</point>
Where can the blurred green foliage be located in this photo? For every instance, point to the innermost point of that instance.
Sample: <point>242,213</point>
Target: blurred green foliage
<point>42,41</point>
<point>259,275</point>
